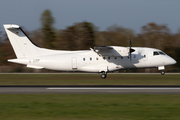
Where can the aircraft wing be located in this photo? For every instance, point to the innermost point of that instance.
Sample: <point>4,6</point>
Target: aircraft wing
<point>111,51</point>
<point>103,47</point>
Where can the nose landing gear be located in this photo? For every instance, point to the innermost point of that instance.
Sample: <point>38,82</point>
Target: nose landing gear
<point>162,72</point>
<point>162,69</point>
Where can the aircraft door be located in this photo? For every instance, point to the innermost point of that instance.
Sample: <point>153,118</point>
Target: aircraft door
<point>74,63</point>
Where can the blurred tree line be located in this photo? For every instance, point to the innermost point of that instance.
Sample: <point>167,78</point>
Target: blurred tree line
<point>85,35</point>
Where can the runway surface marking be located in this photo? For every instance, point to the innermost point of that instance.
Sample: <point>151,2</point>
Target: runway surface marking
<point>113,88</point>
<point>90,90</point>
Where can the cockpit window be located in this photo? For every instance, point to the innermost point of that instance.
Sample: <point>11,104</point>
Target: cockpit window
<point>156,53</point>
<point>162,53</point>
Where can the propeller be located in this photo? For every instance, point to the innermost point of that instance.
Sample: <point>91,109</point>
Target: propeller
<point>130,50</point>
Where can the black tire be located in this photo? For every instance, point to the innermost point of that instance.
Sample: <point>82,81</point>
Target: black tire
<point>103,76</point>
<point>162,72</point>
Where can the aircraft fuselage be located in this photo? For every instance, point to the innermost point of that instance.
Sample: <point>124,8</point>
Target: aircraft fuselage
<point>101,59</point>
<point>90,61</point>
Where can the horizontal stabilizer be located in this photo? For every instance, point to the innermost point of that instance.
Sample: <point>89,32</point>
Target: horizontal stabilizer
<point>12,27</point>
<point>20,61</point>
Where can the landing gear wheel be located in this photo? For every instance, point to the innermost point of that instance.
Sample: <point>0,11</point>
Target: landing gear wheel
<point>103,76</point>
<point>162,72</point>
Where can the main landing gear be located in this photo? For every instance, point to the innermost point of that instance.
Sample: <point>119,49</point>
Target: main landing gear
<point>103,75</point>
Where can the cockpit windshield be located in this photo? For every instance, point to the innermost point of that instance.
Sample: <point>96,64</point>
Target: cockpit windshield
<point>158,53</point>
<point>162,53</point>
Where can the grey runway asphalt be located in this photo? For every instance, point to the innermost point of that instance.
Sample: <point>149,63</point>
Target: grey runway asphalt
<point>89,89</point>
<point>97,73</point>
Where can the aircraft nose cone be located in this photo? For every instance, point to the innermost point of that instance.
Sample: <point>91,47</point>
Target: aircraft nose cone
<point>172,61</point>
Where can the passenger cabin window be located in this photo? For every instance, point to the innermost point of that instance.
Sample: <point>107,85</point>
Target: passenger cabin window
<point>90,59</point>
<point>84,59</point>
<point>97,58</point>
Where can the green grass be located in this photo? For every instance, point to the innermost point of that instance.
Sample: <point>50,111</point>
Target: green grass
<point>88,79</point>
<point>89,107</point>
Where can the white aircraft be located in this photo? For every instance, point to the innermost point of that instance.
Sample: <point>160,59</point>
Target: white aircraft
<point>101,59</point>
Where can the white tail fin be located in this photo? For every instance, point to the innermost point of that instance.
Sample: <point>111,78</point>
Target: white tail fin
<point>22,45</point>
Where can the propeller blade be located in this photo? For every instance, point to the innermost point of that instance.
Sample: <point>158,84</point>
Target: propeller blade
<point>130,49</point>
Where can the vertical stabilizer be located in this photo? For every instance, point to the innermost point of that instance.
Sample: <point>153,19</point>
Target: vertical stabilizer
<point>22,45</point>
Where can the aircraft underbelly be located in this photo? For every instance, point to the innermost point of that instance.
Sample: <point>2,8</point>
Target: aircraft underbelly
<point>99,68</point>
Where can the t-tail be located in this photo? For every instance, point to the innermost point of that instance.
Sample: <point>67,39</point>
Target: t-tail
<point>22,45</point>
<point>26,51</point>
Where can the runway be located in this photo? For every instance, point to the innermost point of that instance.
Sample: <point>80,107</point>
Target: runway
<point>89,89</point>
